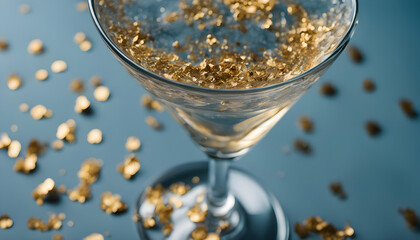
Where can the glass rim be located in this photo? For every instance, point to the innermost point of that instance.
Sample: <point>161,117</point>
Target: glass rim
<point>138,67</point>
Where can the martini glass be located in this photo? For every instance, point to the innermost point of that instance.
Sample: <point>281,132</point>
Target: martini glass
<point>227,203</point>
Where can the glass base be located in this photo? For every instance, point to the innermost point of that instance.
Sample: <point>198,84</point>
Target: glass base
<point>257,213</point>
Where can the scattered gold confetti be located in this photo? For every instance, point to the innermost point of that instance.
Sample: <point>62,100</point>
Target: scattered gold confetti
<point>163,211</point>
<point>410,217</point>
<point>326,230</point>
<point>3,44</point>
<point>305,123</point>
<point>96,81</point>
<point>132,144</point>
<point>101,93</point>
<point>14,82</point>
<point>373,129</point>
<point>5,140</point>
<point>355,54</point>
<point>82,6</point>
<point>40,111</point>
<point>41,74</point>
<point>5,221</point>
<point>148,102</point>
<point>77,86</point>
<point>54,223</point>
<point>94,136</point>
<point>111,203</point>
<point>90,170</point>
<point>302,146</point>
<point>337,189</point>
<point>26,165</point>
<point>85,46</point>
<point>59,66</point>
<point>24,8</point>
<point>327,89</point>
<point>195,180</point>
<point>14,149</point>
<point>167,229</point>
<point>14,128</point>
<point>35,47</point>
<point>369,85</point>
<point>23,107</point>
<point>149,222</point>
<point>154,194</point>
<point>82,104</point>
<point>153,122</point>
<point>196,214</point>
<point>66,131</point>
<point>57,237</point>
<point>200,233</point>
<point>81,193</point>
<point>408,108</point>
<point>130,166</point>
<point>179,188</point>
<point>57,144</point>
<point>79,37</point>
<point>44,191</point>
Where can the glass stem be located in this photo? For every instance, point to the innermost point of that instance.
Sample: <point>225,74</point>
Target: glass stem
<point>219,199</point>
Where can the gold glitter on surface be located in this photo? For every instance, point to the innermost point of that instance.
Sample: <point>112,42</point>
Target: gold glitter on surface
<point>94,136</point>
<point>35,47</point>
<point>337,189</point>
<point>57,144</point>
<point>66,131</point>
<point>132,144</point>
<point>153,122</point>
<point>111,203</point>
<point>355,54</point>
<point>96,81</point>
<point>41,74</point>
<point>136,217</point>
<point>43,191</point>
<point>148,102</point>
<point>82,6</point>
<point>79,37</point>
<point>5,140</point>
<point>101,93</point>
<point>54,223</point>
<point>58,66</point>
<point>3,44</point>
<point>305,124</point>
<point>302,146</point>
<point>179,188</point>
<point>77,86</point>
<point>175,201</point>
<point>200,233</point>
<point>24,9</point>
<point>5,221</point>
<point>130,166</point>
<point>81,193</point>
<point>212,236</point>
<point>57,237</point>
<point>167,229</point>
<point>26,165</point>
<point>14,149</point>
<point>38,112</point>
<point>408,108</point>
<point>154,194</point>
<point>149,222</point>
<point>326,230</point>
<point>196,214</point>
<point>163,211</point>
<point>23,107</point>
<point>14,82</point>
<point>82,104</point>
<point>90,170</point>
<point>85,46</point>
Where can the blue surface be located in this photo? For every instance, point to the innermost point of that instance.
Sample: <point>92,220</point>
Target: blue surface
<point>379,174</point>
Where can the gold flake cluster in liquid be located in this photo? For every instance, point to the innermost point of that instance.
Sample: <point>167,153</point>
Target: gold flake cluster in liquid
<point>213,62</point>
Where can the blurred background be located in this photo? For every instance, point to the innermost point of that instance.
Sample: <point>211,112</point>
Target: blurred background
<point>378,174</point>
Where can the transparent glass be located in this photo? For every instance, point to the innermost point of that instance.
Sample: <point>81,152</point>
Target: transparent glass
<point>227,123</point>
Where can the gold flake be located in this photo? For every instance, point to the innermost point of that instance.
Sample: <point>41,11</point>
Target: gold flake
<point>57,144</point>
<point>63,130</point>
<point>14,82</point>
<point>41,74</point>
<point>355,54</point>
<point>57,236</point>
<point>90,170</point>
<point>195,180</point>
<point>153,122</point>
<point>82,104</point>
<point>302,146</point>
<point>38,112</point>
<point>26,165</point>
<point>14,128</point>
<point>373,129</point>
<point>14,149</point>
<point>211,40</point>
<point>59,66</point>
<point>132,144</point>
<point>196,214</point>
<point>327,89</point>
<point>408,108</point>
<point>23,107</point>
<point>200,233</point>
<point>82,6</point>
<point>85,46</point>
<point>111,203</point>
<point>61,216</point>
<point>77,86</point>
<point>3,44</point>
<point>175,201</point>
<point>101,93</point>
<point>149,222</point>
<point>70,223</point>
<point>62,172</point>
<point>410,218</point>
<point>163,211</point>
<point>5,221</point>
<point>5,140</point>
<point>53,223</point>
<point>24,8</point>
<point>167,229</point>
<point>49,113</point>
<point>179,188</point>
<point>212,236</point>
<point>35,47</point>
<point>148,102</point>
<point>136,217</point>
<point>326,230</point>
<point>94,136</point>
<point>61,189</point>
<point>305,124</point>
<point>172,17</point>
<point>43,191</point>
<point>130,166</point>
<point>81,193</point>
<point>337,189</point>
<point>96,81</point>
<point>369,85</point>
<point>154,194</point>
<point>94,236</point>
<point>79,37</point>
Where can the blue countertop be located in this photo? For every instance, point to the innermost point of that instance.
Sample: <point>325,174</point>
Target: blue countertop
<point>379,174</point>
